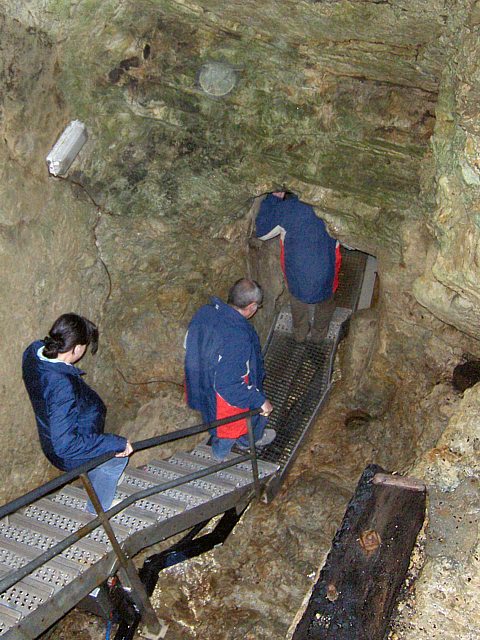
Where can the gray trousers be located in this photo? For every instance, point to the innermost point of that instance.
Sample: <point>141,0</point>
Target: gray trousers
<point>322,313</point>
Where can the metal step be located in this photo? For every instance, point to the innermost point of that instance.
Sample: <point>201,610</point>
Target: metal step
<point>141,479</point>
<point>59,571</point>
<point>213,485</point>
<point>70,520</point>
<point>43,536</point>
<point>8,617</point>
<point>265,469</point>
<point>161,507</point>
<point>132,518</point>
<point>191,463</point>
<point>26,595</point>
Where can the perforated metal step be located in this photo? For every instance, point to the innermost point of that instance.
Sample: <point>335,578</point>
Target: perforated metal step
<point>8,617</point>
<point>41,536</point>
<point>160,506</point>
<point>213,485</point>
<point>67,519</point>
<point>191,463</point>
<point>25,596</point>
<point>132,518</point>
<point>58,571</point>
<point>138,479</point>
<point>265,468</point>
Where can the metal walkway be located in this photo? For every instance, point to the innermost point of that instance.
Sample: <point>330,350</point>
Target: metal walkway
<point>299,376</point>
<point>194,487</point>
<point>32,604</point>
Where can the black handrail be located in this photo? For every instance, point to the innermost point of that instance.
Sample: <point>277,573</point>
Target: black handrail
<point>140,445</point>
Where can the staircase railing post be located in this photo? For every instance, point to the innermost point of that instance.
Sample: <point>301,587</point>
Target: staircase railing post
<point>127,570</point>
<point>253,458</point>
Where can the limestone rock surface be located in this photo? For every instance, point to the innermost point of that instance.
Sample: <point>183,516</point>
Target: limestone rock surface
<point>444,602</point>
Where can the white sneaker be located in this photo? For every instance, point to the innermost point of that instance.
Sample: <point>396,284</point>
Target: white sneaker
<point>269,436</point>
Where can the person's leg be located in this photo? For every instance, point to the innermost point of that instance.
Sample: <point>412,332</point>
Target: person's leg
<point>300,318</point>
<point>221,447</point>
<point>104,480</point>
<point>260,433</point>
<point>321,321</point>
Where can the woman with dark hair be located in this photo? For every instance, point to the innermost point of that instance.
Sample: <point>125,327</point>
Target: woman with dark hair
<point>70,415</point>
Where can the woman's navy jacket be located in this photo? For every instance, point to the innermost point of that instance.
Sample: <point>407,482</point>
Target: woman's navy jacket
<point>223,366</point>
<point>308,252</point>
<point>70,415</point>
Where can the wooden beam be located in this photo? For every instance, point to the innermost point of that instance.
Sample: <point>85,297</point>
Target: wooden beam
<point>359,583</point>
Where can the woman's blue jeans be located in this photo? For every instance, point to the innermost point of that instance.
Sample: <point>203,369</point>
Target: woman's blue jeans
<point>104,480</point>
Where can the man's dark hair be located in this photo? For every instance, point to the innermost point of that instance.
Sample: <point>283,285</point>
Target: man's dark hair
<point>67,331</point>
<point>244,292</point>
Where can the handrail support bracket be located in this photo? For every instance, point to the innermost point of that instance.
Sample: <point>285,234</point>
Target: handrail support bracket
<point>127,571</point>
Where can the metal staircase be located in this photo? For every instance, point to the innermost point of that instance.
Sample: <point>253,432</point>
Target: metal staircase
<point>299,375</point>
<point>70,552</point>
<point>34,602</point>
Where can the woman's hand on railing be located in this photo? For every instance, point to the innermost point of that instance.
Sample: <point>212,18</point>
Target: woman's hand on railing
<point>126,452</point>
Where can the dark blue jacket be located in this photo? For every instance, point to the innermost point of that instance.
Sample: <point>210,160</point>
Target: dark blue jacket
<point>223,365</point>
<point>70,415</point>
<point>307,250</point>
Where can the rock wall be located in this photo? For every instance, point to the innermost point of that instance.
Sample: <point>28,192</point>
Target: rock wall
<point>48,256</point>
<point>444,602</point>
<point>449,285</point>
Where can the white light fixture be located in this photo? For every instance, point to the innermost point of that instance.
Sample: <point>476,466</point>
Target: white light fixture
<point>66,149</point>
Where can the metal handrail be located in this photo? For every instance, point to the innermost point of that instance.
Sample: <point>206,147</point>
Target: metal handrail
<point>140,445</point>
<point>14,577</point>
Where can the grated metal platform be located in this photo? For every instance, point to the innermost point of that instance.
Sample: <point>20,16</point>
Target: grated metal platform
<point>351,278</point>
<point>298,375</point>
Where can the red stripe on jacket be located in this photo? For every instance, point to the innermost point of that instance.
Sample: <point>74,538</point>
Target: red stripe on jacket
<point>225,410</point>
<point>338,264</point>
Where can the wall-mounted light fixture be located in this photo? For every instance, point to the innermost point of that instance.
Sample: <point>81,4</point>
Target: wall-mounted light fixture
<point>66,149</point>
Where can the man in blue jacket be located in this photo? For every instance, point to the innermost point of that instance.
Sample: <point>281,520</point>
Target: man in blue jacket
<point>310,260</point>
<point>224,368</point>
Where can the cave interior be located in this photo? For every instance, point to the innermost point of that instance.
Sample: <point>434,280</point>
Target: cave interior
<point>368,110</point>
